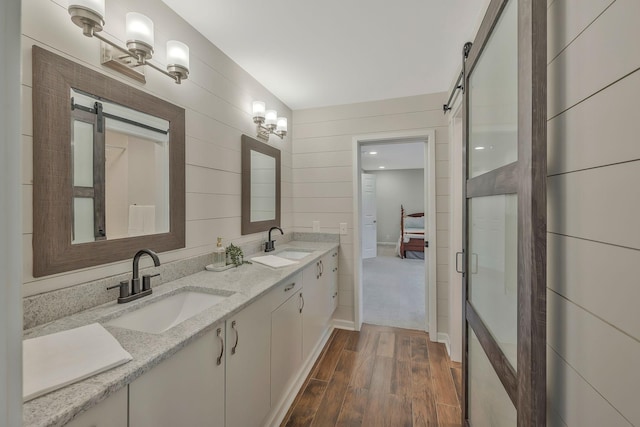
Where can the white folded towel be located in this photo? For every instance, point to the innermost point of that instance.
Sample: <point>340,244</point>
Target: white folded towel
<point>53,361</point>
<point>273,261</point>
<point>142,220</point>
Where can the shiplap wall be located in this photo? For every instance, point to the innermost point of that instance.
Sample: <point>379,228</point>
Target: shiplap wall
<point>593,204</point>
<point>323,170</point>
<point>217,98</point>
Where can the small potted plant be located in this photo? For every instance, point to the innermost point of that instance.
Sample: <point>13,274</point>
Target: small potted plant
<point>235,255</point>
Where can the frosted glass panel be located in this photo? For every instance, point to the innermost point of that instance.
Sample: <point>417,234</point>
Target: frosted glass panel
<point>82,144</point>
<point>493,98</point>
<point>83,229</point>
<point>489,403</point>
<point>493,281</point>
<point>263,187</point>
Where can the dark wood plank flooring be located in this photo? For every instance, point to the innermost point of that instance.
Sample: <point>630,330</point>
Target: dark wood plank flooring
<point>380,376</point>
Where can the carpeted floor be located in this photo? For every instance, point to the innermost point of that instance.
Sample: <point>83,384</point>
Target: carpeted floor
<point>394,292</point>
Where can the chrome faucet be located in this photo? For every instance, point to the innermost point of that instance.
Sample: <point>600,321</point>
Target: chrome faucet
<point>270,245</point>
<point>126,294</point>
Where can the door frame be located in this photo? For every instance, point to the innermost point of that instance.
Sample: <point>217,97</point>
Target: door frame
<point>525,177</point>
<point>429,137</point>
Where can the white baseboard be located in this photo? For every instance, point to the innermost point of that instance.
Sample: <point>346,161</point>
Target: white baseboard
<point>444,339</point>
<point>279,411</point>
<point>349,325</point>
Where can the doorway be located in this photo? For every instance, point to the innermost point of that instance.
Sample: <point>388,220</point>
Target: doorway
<point>385,282</point>
<point>393,193</point>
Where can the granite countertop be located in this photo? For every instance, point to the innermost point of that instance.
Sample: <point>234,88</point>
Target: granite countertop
<point>248,282</point>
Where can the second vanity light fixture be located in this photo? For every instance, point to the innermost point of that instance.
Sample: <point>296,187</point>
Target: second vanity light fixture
<point>89,15</point>
<point>268,122</point>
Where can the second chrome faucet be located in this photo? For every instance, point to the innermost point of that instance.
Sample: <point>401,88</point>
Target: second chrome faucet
<point>133,292</point>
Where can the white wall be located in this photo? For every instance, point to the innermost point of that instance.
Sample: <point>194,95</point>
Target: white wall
<point>10,238</point>
<point>395,188</point>
<point>322,176</point>
<point>217,98</point>
<point>593,344</point>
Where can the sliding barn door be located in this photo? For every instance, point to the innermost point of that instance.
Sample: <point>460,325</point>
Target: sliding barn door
<point>505,218</point>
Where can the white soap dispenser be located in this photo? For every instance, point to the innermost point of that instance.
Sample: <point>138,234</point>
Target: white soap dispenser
<point>219,255</point>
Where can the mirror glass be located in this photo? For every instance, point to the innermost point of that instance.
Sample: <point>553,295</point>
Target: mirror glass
<point>263,187</point>
<point>120,171</point>
<point>260,186</point>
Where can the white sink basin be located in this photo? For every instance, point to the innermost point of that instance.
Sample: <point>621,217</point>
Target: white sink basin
<point>166,313</point>
<point>293,254</point>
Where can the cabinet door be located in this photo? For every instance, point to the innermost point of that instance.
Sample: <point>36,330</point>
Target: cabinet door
<point>315,315</point>
<point>248,392</point>
<point>185,390</point>
<point>331,274</point>
<point>111,412</point>
<point>286,345</point>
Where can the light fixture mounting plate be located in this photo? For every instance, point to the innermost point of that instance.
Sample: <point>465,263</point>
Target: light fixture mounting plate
<point>116,60</point>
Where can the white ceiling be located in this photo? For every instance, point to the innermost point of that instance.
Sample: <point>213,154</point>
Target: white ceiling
<point>403,155</point>
<point>331,52</point>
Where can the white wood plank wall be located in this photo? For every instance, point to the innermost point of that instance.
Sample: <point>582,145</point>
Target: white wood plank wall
<point>322,176</point>
<point>593,204</point>
<point>217,98</point>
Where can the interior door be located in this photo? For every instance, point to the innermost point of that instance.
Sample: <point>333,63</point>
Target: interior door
<point>369,217</point>
<point>504,218</point>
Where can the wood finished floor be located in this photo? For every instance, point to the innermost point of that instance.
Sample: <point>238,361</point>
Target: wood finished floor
<point>380,376</point>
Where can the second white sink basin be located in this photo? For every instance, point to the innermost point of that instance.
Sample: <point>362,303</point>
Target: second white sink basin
<point>293,254</point>
<point>166,313</point>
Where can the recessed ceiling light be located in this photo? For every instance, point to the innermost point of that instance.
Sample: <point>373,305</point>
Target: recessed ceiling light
<point>380,167</point>
<point>479,148</point>
<point>373,153</point>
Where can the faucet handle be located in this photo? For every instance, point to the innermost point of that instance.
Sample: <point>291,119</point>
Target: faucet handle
<point>146,281</point>
<point>124,288</point>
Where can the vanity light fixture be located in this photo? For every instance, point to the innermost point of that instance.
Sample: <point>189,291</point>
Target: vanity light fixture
<point>89,15</point>
<point>268,122</point>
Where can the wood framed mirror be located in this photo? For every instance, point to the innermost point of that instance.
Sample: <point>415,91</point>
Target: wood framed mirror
<point>90,206</point>
<point>260,186</point>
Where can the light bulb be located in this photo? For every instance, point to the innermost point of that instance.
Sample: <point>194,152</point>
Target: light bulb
<point>139,29</point>
<point>177,54</point>
<point>259,108</point>
<point>271,117</point>
<point>282,124</point>
<point>95,6</point>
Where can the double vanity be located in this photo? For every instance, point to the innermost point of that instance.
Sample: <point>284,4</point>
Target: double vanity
<point>213,348</point>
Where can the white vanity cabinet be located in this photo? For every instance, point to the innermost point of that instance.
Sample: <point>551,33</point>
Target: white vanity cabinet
<point>248,390</point>
<point>111,412</point>
<point>286,336</point>
<point>187,389</point>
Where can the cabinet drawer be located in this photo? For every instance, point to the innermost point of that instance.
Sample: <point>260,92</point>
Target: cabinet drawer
<point>280,293</point>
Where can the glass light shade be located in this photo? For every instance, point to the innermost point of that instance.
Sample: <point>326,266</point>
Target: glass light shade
<point>259,108</point>
<point>282,124</point>
<point>271,117</point>
<point>95,6</point>
<point>139,28</point>
<point>177,54</point>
